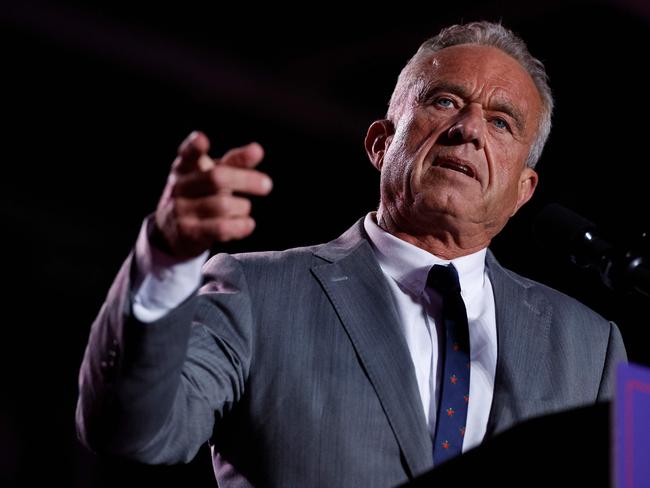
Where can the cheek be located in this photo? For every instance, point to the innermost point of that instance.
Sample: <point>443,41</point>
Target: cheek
<point>419,126</point>
<point>509,158</point>
<point>508,162</point>
<point>401,150</point>
<point>394,172</point>
<point>407,147</point>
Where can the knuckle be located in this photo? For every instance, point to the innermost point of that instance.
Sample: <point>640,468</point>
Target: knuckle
<point>229,229</point>
<point>219,177</point>
<point>222,229</point>
<point>244,227</point>
<point>246,206</point>
<point>221,204</point>
<point>237,156</point>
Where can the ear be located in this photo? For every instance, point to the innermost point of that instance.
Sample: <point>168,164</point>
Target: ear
<point>527,184</point>
<point>380,134</point>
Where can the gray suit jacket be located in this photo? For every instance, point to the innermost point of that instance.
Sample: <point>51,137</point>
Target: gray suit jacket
<point>293,365</point>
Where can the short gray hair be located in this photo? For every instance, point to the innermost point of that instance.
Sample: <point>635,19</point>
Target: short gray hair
<point>487,34</point>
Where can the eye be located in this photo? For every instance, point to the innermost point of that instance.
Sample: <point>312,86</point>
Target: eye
<point>500,123</point>
<point>444,102</point>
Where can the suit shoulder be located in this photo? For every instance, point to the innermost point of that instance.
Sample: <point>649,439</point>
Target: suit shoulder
<point>264,262</point>
<point>563,304</point>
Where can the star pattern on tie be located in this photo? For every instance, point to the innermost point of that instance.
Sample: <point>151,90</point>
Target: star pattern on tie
<point>456,365</point>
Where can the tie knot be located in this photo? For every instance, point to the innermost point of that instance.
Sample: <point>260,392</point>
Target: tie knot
<point>443,279</point>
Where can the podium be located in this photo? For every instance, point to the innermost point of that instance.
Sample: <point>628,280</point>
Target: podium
<point>564,449</point>
<point>571,448</point>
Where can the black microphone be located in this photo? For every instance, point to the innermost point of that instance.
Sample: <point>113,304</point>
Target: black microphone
<point>570,234</point>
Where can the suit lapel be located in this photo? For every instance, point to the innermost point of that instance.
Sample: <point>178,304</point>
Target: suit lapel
<point>358,291</point>
<point>523,320</point>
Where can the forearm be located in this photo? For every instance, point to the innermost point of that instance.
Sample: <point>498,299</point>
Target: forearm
<point>130,373</point>
<point>150,391</point>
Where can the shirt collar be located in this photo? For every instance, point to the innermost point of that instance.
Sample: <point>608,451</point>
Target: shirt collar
<point>409,265</point>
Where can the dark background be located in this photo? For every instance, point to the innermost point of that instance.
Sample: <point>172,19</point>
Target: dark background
<point>96,98</point>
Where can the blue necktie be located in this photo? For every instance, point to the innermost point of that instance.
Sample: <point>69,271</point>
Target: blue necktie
<point>454,385</point>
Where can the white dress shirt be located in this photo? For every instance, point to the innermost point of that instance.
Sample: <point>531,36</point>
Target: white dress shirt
<point>406,268</point>
<point>163,283</point>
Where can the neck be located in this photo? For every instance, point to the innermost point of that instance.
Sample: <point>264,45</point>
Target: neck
<point>444,241</point>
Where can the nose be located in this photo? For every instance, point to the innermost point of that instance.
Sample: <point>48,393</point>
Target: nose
<point>469,126</point>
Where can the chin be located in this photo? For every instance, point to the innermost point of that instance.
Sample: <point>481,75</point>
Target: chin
<point>441,202</point>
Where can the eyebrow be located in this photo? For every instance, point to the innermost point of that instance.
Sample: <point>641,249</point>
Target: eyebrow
<point>463,92</point>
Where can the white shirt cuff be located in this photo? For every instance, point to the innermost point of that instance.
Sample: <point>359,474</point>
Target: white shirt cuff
<point>162,282</point>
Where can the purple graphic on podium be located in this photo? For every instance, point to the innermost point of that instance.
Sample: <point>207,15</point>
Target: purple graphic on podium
<point>632,426</point>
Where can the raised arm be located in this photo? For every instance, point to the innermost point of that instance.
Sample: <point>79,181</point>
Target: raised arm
<point>141,393</point>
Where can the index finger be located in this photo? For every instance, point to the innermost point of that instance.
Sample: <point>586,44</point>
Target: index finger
<point>190,152</point>
<point>223,178</point>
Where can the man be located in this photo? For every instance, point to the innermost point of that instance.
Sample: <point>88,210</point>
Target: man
<point>327,365</point>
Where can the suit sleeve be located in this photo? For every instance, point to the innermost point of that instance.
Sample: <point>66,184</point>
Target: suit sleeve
<point>151,392</point>
<point>615,355</point>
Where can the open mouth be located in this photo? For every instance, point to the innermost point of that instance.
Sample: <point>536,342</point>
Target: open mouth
<point>454,165</point>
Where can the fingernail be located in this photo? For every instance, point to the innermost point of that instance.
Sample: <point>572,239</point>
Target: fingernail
<point>267,184</point>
